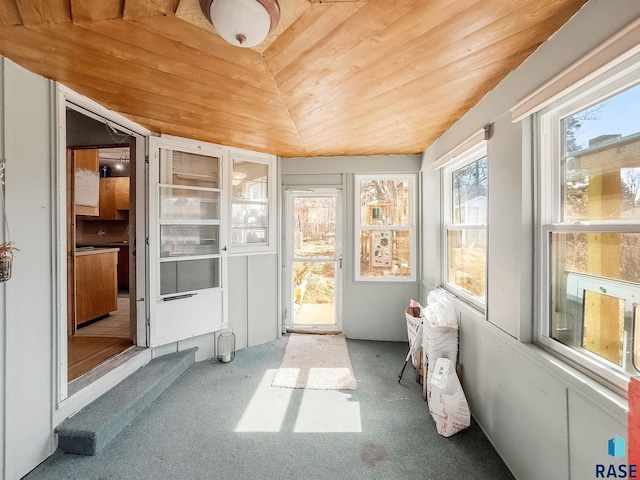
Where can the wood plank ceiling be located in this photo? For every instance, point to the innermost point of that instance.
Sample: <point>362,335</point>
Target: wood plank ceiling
<point>337,77</point>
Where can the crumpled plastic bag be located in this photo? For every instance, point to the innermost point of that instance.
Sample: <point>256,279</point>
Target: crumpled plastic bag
<point>439,311</point>
<point>448,404</point>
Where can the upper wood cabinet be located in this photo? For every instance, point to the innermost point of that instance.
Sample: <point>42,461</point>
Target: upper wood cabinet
<point>86,169</point>
<point>114,198</point>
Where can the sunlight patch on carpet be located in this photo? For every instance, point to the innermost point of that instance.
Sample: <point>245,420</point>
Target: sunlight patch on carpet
<point>316,362</point>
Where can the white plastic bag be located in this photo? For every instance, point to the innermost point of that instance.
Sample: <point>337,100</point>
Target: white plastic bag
<point>439,311</point>
<point>448,404</point>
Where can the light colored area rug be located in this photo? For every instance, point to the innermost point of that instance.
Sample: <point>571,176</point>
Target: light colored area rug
<point>316,362</point>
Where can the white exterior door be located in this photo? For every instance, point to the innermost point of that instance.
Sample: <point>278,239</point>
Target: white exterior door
<point>187,239</point>
<point>313,295</point>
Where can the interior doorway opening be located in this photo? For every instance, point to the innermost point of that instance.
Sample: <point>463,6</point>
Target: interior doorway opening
<point>101,234</point>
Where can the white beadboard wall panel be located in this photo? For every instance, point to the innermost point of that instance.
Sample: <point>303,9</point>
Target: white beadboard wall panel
<point>29,306</point>
<point>262,290</point>
<point>238,299</point>
<point>590,428</point>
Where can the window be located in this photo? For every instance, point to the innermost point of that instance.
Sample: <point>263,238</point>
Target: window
<point>252,220</point>
<point>465,214</point>
<point>385,227</point>
<point>189,221</point>
<point>590,227</point>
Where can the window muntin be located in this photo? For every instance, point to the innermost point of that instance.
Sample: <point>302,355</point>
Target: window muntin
<point>385,226</point>
<point>465,212</point>
<point>590,211</point>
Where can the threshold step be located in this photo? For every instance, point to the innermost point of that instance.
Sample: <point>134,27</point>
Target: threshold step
<point>89,430</point>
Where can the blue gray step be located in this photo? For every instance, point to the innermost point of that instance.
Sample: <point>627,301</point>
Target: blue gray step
<point>92,428</point>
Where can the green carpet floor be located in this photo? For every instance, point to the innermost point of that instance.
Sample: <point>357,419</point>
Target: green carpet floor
<point>226,421</point>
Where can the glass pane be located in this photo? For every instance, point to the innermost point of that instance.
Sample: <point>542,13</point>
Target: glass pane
<point>385,253</point>
<point>314,293</point>
<point>467,260</point>
<point>250,181</point>
<point>601,165</point>
<point>254,235</point>
<point>183,168</point>
<point>189,275</point>
<point>469,194</point>
<point>594,285</point>
<point>384,202</point>
<point>186,240</point>
<point>609,255</point>
<point>181,203</point>
<point>314,227</point>
<point>249,223</point>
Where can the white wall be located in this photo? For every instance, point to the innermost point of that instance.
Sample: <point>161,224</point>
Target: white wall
<point>253,299</point>
<point>545,419</point>
<point>28,301</point>
<point>370,310</point>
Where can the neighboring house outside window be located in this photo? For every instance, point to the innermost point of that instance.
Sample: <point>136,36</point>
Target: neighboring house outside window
<point>465,213</point>
<point>385,227</point>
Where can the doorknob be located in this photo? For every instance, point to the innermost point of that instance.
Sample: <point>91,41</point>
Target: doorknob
<point>340,262</point>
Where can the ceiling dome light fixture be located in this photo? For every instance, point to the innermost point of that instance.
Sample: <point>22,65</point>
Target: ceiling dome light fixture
<point>243,23</point>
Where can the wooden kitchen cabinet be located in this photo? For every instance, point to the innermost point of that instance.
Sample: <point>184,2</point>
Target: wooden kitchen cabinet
<point>86,159</point>
<point>96,283</point>
<point>114,198</point>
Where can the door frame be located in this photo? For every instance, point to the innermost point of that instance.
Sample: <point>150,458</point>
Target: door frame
<point>66,98</point>
<point>288,290</point>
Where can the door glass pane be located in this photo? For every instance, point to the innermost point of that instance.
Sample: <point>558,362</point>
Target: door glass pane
<point>314,293</point>
<point>188,204</point>
<point>184,168</point>
<point>189,275</point>
<point>187,240</point>
<point>314,227</point>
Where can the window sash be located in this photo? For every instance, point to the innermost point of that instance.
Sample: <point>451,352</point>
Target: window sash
<point>551,222</point>
<point>361,226</point>
<point>470,155</point>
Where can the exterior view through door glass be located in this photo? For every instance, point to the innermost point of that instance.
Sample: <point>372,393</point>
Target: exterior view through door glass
<point>314,259</point>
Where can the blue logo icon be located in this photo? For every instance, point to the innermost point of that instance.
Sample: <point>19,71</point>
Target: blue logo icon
<point>616,447</point>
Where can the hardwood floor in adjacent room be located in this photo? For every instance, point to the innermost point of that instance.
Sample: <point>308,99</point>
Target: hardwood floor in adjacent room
<point>86,353</point>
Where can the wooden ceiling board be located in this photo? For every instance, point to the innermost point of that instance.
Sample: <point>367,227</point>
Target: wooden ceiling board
<point>96,67</point>
<point>370,60</point>
<point>157,51</point>
<point>9,13</point>
<point>345,78</point>
<point>36,12</point>
<point>182,32</point>
<point>90,11</point>
<point>328,103</point>
<point>290,69</point>
<point>435,115</point>
<point>148,8</point>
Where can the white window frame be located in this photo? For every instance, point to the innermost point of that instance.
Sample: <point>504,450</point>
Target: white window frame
<point>620,76</point>
<point>270,245</point>
<point>473,154</point>
<point>411,227</point>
